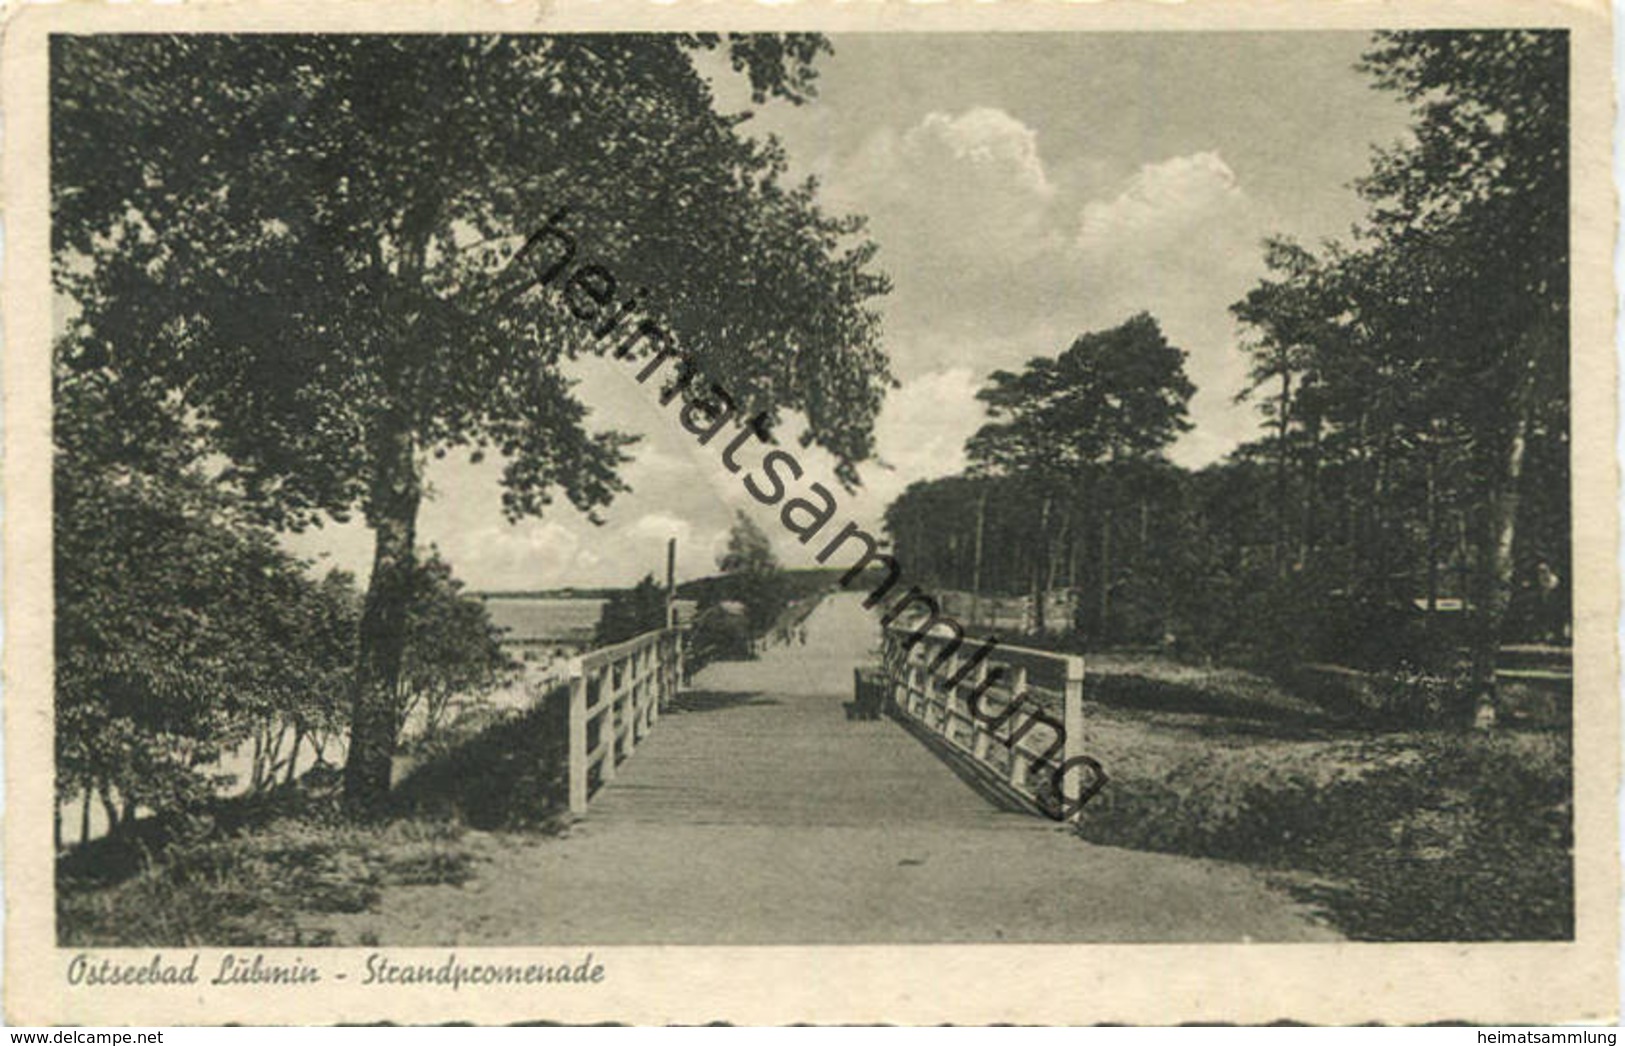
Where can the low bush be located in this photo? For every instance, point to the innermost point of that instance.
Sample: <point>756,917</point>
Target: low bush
<point>511,773</point>
<point>1433,835</point>
<point>262,871</point>
<point>1402,698</point>
<point>263,888</point>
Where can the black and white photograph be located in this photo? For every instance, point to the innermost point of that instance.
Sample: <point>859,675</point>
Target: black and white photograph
<point>568,491</point>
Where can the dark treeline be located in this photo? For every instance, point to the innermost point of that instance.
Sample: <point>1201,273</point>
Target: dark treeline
<point>1407,500</point>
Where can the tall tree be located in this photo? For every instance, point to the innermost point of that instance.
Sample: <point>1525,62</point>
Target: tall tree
<point>1114,396</point>
<point>1292,325</point>
<point>308,238</point>
<point>1477,205</point>
<point>630,612</point>
<point>754,569</point>
<point>749,551</point>
<point>181,630</point>
<point>453,649</point>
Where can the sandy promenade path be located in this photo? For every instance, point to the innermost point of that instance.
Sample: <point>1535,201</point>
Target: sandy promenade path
<point>756,813</point>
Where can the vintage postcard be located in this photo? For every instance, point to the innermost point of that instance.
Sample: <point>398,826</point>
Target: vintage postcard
<point>1037,513</point>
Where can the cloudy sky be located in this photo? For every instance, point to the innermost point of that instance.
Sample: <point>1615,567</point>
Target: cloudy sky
<point>1023,189</point>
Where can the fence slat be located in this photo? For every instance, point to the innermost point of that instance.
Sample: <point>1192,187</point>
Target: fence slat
<point>610,696</point>
<point>578,743</point>
<point>1007,738</point>
<point>1016,773</point>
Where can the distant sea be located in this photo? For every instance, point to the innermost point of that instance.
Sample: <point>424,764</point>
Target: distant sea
<point>545,617</point>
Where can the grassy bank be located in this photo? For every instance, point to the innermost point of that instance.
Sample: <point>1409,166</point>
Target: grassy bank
<point>1433,834</point>
<point>271,870</point>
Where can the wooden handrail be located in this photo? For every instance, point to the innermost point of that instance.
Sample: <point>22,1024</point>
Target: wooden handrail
<point>634,680</point>
<point>616,651</point>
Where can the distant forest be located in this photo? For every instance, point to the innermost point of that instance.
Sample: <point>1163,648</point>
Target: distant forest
<point>1406,503</point>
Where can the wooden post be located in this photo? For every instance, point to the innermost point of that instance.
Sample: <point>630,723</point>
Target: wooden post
<point>651,681</point>
<point>978,732</point>
<point>609,726</point>
<point>950,697</point>
<point>896,671</point>
<point>578,740</point>
<point>671,622</point>
<point>1072,720</point>
<point>654,681</point>
<point>679,641</point>
<point>669,644</point>
<point>633,674</point>
<point>645,675</point>
<point>671,583</point>
<point>917,705</point>
<point>1018,767</point>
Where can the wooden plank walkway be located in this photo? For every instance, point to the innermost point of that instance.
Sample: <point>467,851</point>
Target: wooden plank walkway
<point>756,813</point>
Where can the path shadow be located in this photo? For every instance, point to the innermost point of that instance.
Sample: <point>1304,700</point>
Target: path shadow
<point>716,700</point>
<point>511,774</point>
<point>966,769</point>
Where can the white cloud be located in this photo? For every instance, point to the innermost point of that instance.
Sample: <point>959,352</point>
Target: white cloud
<point>523,555</point>
<point>662,526</point>
<point>924,426</point>
<point>1162,203</point>
<point>988,142</point>
<point>953,193</point>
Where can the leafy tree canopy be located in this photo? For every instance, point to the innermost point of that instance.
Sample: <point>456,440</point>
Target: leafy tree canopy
<point>309,240</point>
<point>749,551</point>
<point>307,235</point>
<point>630,612</point>
<point>1113,394</point>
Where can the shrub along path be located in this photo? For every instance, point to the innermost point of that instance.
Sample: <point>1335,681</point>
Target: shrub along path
<point>756,813</point>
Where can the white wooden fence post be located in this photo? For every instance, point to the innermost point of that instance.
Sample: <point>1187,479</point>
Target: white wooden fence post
<point>672,678</point>
<point>654,661</point>
<point>978,732</point>
<point>631,680</point>
<point>1018,767</point>
<point>609,729</point>
<point>578,739</point>
<point>1072,719</point>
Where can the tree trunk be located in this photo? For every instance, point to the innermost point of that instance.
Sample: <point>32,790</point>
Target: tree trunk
<point>1355,534</point>
<point>293,753</point>
<point>1105,571</point>
<point>1039,560</point>
<point>273,752</point>
<point>1311,494</point>
<point>256,767</point>
<point>1432,539</point>
<point>1377,543</point>
<point>1283,463</point>
<point>1056,548</point>
<point>1494,560</point>
<point>109,808</point>
<point>976,562</point>
<point>392,514</point>
<point>1074,548</point>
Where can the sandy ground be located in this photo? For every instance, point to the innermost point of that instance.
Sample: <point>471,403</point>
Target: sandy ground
<point>756,813</point>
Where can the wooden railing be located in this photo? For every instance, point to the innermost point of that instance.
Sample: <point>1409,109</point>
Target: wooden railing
<point>1001,718</point>
<point>616,695</point>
